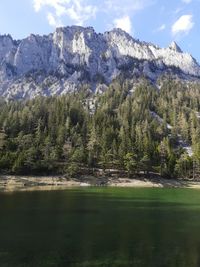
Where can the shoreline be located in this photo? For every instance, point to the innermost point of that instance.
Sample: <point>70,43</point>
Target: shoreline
<point>11,183</point>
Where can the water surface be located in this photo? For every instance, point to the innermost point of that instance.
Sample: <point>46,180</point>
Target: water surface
<point>90,227</point>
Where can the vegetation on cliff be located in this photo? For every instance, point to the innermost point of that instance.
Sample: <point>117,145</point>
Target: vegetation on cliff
<point>141,129</point>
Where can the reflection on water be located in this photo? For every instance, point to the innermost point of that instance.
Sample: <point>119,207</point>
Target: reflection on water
<point>101,227</point>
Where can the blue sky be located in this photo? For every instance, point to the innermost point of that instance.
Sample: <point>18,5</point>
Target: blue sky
<point>156,21</point>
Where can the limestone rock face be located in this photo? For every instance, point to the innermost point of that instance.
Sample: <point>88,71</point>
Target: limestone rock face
<point>72,56</point>
<point>175,47</point>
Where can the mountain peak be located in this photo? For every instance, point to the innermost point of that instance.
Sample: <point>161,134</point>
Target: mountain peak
<point>175,47</point>
<point>74,28</point>
<point>63,60</point>
<point>119,32</point>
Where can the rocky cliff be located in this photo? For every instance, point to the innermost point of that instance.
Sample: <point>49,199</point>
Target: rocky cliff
<point>73,56</point>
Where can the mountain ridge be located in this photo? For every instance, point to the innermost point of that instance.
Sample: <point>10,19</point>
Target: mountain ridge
<point>71,56</point>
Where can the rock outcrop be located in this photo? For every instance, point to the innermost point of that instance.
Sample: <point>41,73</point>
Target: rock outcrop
<point>72,56</point>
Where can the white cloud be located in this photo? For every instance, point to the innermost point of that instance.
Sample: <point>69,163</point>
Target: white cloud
<point>54,22</point>
<point>178,10</point>
<point>183,25</point>
<point>161,28</point>
<point>123,10</point>
<point>127,6</point>
<point>81,12</point>
<point>186,1</point>
<point>123,23</point>
<point>77,10</point>
<point>57,4</point>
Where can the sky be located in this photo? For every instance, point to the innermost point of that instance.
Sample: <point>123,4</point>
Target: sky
<point>156,21</point>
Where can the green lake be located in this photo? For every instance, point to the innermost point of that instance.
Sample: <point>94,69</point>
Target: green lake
<point>93,227</point>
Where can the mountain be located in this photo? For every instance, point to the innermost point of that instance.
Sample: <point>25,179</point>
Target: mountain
<point>72,56</point>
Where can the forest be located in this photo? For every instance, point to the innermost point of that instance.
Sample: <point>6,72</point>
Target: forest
<point>138,129</point>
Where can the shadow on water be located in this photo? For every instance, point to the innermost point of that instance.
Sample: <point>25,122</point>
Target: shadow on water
<point>101,227</point>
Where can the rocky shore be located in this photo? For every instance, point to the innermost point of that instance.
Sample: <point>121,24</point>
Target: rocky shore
<point>29,183</point>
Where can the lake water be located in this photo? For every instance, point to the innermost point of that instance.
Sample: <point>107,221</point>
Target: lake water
<point>94,227</point>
